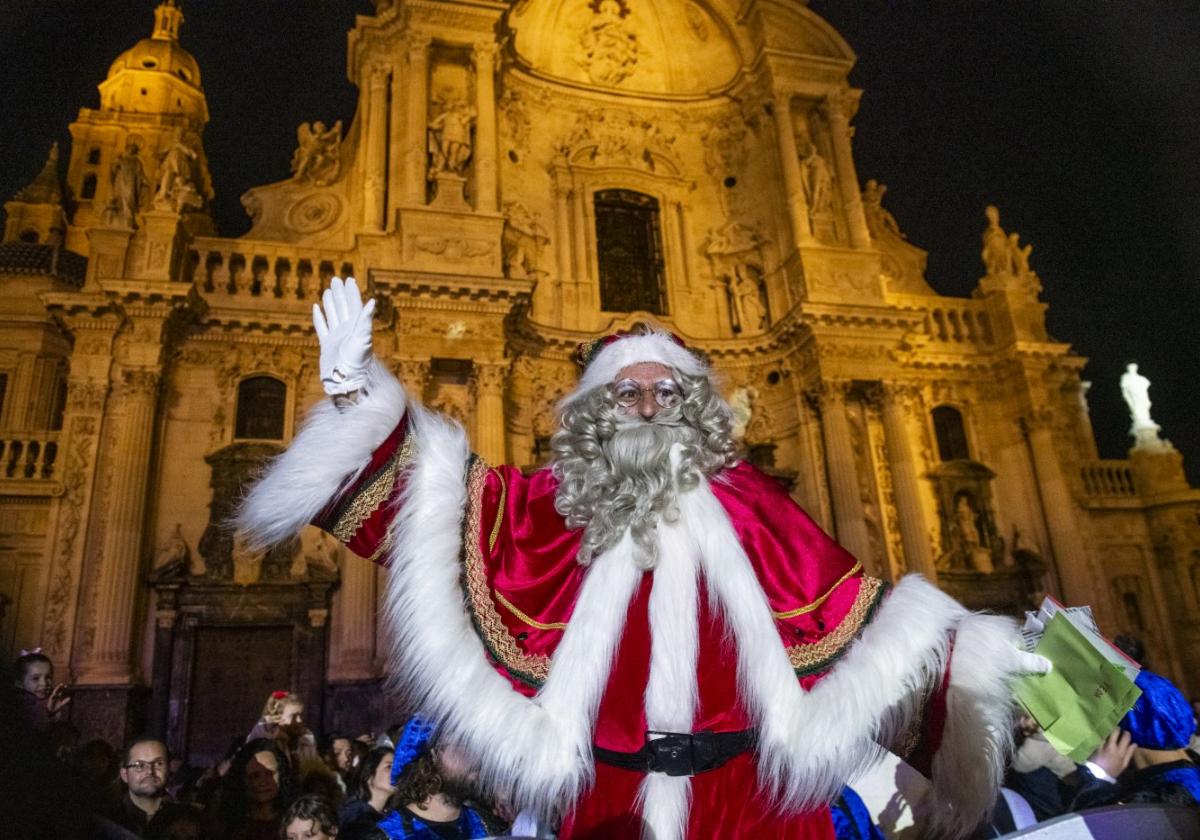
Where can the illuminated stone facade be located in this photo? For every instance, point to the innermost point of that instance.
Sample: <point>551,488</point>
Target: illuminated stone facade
<point>517,179</point>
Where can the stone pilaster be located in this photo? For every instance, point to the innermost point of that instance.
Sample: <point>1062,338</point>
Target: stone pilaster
<point>78,457</point>
<point>414,375</point>
<point>848,515</point>
<point>483,57</point>
<point>835,109</point>
<point>789,159</point>
<point>914,533</point>
<point>375,186</point>
<point>416,97</point>
<point>488,384</point>
<point>353,656</point>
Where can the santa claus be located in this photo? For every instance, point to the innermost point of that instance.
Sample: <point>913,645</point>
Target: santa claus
<point>647,636</point>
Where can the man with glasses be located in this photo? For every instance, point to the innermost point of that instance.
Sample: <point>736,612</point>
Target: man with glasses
<point>648,636</point>
<point>144,774</point>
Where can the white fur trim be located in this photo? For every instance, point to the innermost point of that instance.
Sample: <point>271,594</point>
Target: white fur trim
<point>538,749</point>
<point>811,743</point>
<point>327,454</point>
<point>631,350</point>
<point>671,690</point>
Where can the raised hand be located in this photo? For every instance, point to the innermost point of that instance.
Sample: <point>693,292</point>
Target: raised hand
<point>344,332</point>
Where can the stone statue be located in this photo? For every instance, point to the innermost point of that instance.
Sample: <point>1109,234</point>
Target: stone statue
<point>450,138</point>
<point>996,254</point>
<point>174,556</point>
<point>1019,256</point>
<point>745,293</point>
<point>879,220</point>
<point>317,158</point>
<point>1135,388</point>
<point>176,185</point>
<point>608,46</point>
<point>524,239</point>
<point>976,553</point>
<point>129,187</point>
<point>817,179</point>
<point>247,564</point>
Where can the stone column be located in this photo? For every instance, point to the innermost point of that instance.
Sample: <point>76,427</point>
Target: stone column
<point>128,463</point>
<point>375,187</point>
<point>848,515</point>
<point>847,178</point>
<point>483,57</point>
<point>1070,555</point>
<point>416,124</point>
<point>789,159</point>
<point>488,385</point>
<point>354,622</point>
<point>901,462</point>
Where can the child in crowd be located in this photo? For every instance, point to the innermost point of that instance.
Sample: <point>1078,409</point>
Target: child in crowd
<point>309,818</point>
<point>42,702</point>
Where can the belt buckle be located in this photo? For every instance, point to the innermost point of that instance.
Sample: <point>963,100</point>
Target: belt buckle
<point>671,754</point>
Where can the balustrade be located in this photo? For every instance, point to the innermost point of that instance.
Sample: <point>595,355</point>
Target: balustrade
<point>1112,479</point>
<point>28,457</point>
<point>262,270</point>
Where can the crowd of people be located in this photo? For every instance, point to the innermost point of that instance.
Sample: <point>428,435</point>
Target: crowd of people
<point>279,781</point>
<point>276,781</point>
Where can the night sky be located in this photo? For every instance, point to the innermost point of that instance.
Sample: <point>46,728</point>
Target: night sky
<point>1080,120</point>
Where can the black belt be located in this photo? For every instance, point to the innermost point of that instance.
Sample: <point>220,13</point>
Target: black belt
<point>680,753</point>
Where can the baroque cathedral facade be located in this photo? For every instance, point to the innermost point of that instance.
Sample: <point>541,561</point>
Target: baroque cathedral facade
<point>517,178</point>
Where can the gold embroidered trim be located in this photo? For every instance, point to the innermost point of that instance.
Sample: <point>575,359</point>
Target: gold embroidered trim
<point>810,607</point>
<point>531,668</point>
<point>499,519</point>
<point>383,546</point>
<point>373,495</point>
<point>805,656</point>
<point>512,608</point>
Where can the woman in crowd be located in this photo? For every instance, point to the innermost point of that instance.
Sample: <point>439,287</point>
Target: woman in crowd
<point>371,787</point>
<point>257,790</point>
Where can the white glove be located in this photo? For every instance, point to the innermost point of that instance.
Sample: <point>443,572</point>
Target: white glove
<point>344,331</point>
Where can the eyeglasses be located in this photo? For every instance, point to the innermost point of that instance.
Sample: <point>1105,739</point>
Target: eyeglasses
<point>143,766</point>
<point>628,393</point>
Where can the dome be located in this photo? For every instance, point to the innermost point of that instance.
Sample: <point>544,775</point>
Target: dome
<point>669,47</point>
<point>157,75</point>
<point>161,56</point>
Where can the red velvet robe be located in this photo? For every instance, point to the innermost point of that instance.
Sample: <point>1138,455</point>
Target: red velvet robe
<point>520,585</point>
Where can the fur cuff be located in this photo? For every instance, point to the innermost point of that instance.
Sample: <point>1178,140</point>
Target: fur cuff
<point>968,767</point>
<point>327,454</point>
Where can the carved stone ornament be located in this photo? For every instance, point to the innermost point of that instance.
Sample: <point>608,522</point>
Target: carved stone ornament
<point>178,189</point>
<point>450,137</point>
<point>314,213</point>
<point>880,222</point>
<point>620,137</point>
<point>725,149</point>
<point>608,47</point>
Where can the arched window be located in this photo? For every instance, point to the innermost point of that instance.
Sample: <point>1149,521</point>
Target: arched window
<point>93,156</point>
<point>629,249</point>
<point>261,402</point>
<point>951,435</point>
<point>30,236</point>
<point>89,186</point>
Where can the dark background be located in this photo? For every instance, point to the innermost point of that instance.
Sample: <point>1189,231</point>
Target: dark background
<point>1080,120</point>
